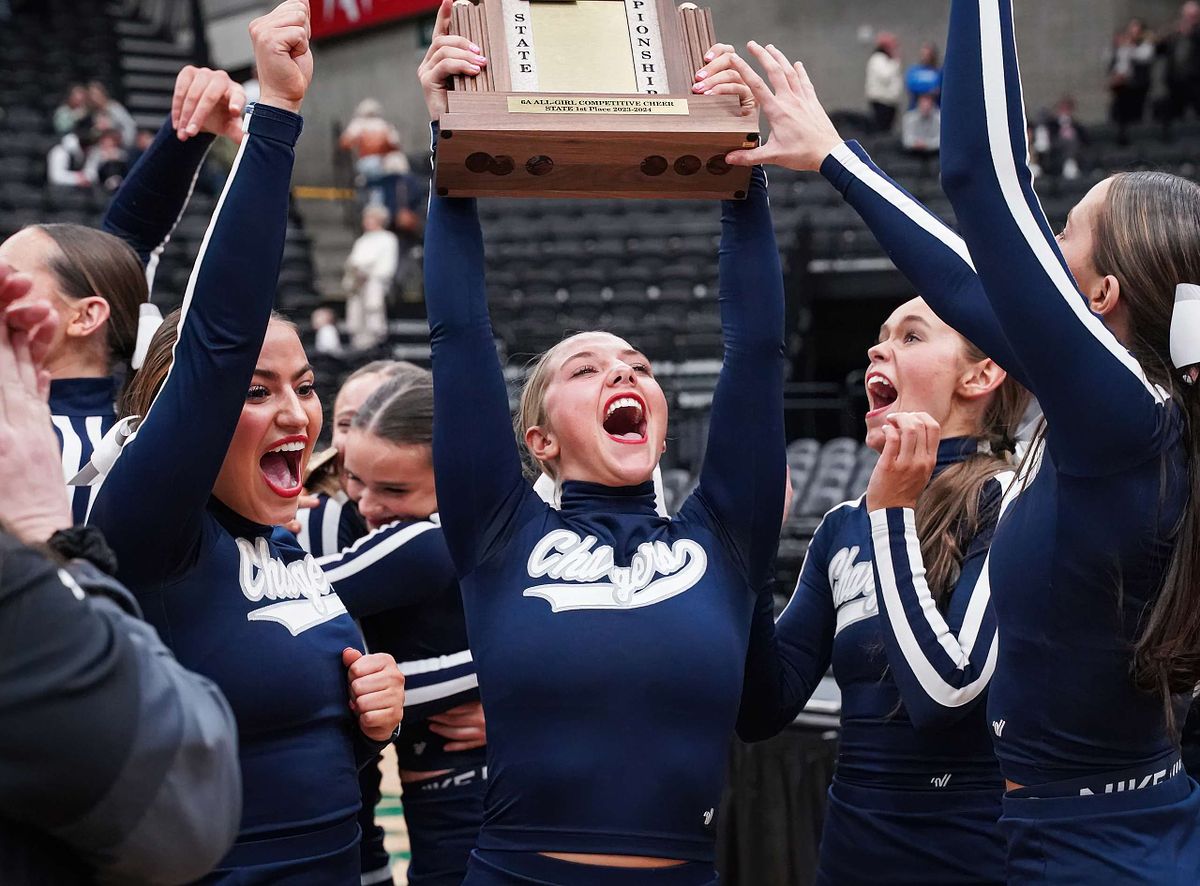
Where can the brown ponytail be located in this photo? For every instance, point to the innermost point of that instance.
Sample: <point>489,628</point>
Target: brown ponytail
<point>1148,237</point>
<point>948,514</point>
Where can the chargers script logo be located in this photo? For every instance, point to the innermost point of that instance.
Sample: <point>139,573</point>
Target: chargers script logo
<point>562,555</point>
<point>306,594</point>
<point>853,587</point>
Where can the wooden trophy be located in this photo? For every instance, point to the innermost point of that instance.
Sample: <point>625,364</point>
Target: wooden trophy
<point>589,98</point>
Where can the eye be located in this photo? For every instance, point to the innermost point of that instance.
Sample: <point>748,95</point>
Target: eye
<point>257,392</point>
<point>395,490</point>
<point>306,389</point>
<point>642,368</point>
<point>351,477</point>
<point>583,370</point>
<point>910,337</point>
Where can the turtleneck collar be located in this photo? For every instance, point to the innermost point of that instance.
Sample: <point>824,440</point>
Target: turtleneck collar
<point>83,396</point>
<point>235,524</point>
<point>953,450</point>
<point>580,497</point>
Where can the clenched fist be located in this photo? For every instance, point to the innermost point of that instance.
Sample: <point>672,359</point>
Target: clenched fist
<point>376,692</point>
<point>910,448</point>
<point>282,54</point>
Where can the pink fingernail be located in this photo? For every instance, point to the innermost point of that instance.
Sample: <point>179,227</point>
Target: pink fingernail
<point>708,56</point>
<point>474,69</point>
<point>475,48</point>
<point>698,87</point>
<point>700,75</point>
<point>482,59</point>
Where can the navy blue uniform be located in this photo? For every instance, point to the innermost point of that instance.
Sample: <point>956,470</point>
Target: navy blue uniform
<point>917,788</point>
<point>332,526</point>
<point>249,609</point>
<point>1082,552</point>
<point>400,583</point>
<point>610,642</point>
<point>82,410</point>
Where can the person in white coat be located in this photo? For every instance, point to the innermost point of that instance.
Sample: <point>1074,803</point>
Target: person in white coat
<point>370,269</point>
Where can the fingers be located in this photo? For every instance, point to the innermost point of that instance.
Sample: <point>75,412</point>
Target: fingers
<point>718,49</point>
<point>183,83</point>
<point>455,746</point>
<point>308,501</point>
<point>441,26</point>
<point>453,59</point>
<point>369,664</point>
<point>729,75</point>
<point>762,93</point>
<point>785,66</point>
<point>753,156</point>
<point>237,99</point>
<point>891,448</point>
<point>350,655</point>
<point>722,62</point>
<point>375,702</point>
<point>13,285</point>
<point>376,682</point>
<point>777,76</point>
<point>214,92</point>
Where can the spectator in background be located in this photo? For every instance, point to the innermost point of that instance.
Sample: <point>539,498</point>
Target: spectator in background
<point>1129,72</point>
<point>370,270</point>
<point>99,102</point>
<point>66,162</point>
<point>324,324</point>
<point>379,161</point>
<point>1060,140</point>
<point>1180,50</point>
<point>107,161</point>
<point>925,77</point>
<point>73,111</point>
<point>885,82</point>
<point>921,131</point>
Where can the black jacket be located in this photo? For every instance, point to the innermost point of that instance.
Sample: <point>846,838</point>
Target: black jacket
<point>116,763</point>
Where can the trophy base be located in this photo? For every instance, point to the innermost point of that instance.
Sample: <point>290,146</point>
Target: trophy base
<point>671,147</point>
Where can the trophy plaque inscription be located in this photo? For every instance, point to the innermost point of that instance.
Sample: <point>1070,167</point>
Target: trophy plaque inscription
<point>589,98</point>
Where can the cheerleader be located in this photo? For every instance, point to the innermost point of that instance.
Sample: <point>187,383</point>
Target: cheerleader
<point>326,521</point>
<point>227,418</point>
<point>399,582</point>
<point>610,642</point>
<point>100,288</point>
<point>1094,566</point>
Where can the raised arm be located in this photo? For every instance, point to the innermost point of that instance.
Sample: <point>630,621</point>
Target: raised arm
<point>786,659</point>
<point>739,481</point>
<point>942,664</point>
<point>397,565</point>
<point>1102,411</point>
<point>155,193</point>
<point>933,258</point>
<point>151,501</point>
<point>478,468</point>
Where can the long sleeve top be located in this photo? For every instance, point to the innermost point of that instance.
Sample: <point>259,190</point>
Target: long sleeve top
<point>249,609</point>
<point>913,675</point>
<point>603,626</point>
<point>885,79</point>
<point>1082,552</point>
<point>111,750</point>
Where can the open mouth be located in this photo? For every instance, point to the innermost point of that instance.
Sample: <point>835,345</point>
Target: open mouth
<point>280,466</point>
<point>881,393</point>
<point>625,419</point>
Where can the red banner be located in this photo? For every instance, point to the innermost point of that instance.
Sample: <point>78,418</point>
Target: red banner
<point>330,17</point>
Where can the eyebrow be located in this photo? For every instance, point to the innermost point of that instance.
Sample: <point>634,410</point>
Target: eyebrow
<point>910,318</point>
<point>274,376</point>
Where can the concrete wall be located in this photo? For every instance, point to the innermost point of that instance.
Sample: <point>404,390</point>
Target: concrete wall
<point>1063,50</point>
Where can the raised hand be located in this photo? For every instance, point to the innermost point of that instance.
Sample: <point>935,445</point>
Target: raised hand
<point>720,76</point>
<point>909,456</point>
<point>376,692</point>
<point>802,135</point>
<point>207,101</point>
<point>282,54</point>
<point>35,504</point>
<point>465,725</point>
<point>447,55</point>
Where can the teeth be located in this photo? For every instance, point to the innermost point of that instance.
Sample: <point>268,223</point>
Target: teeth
<point>879,379</point>
<point>288,447</point>
<point>621,404</point>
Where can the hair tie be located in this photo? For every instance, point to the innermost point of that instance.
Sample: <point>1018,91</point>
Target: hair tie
<point>149,319</point>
